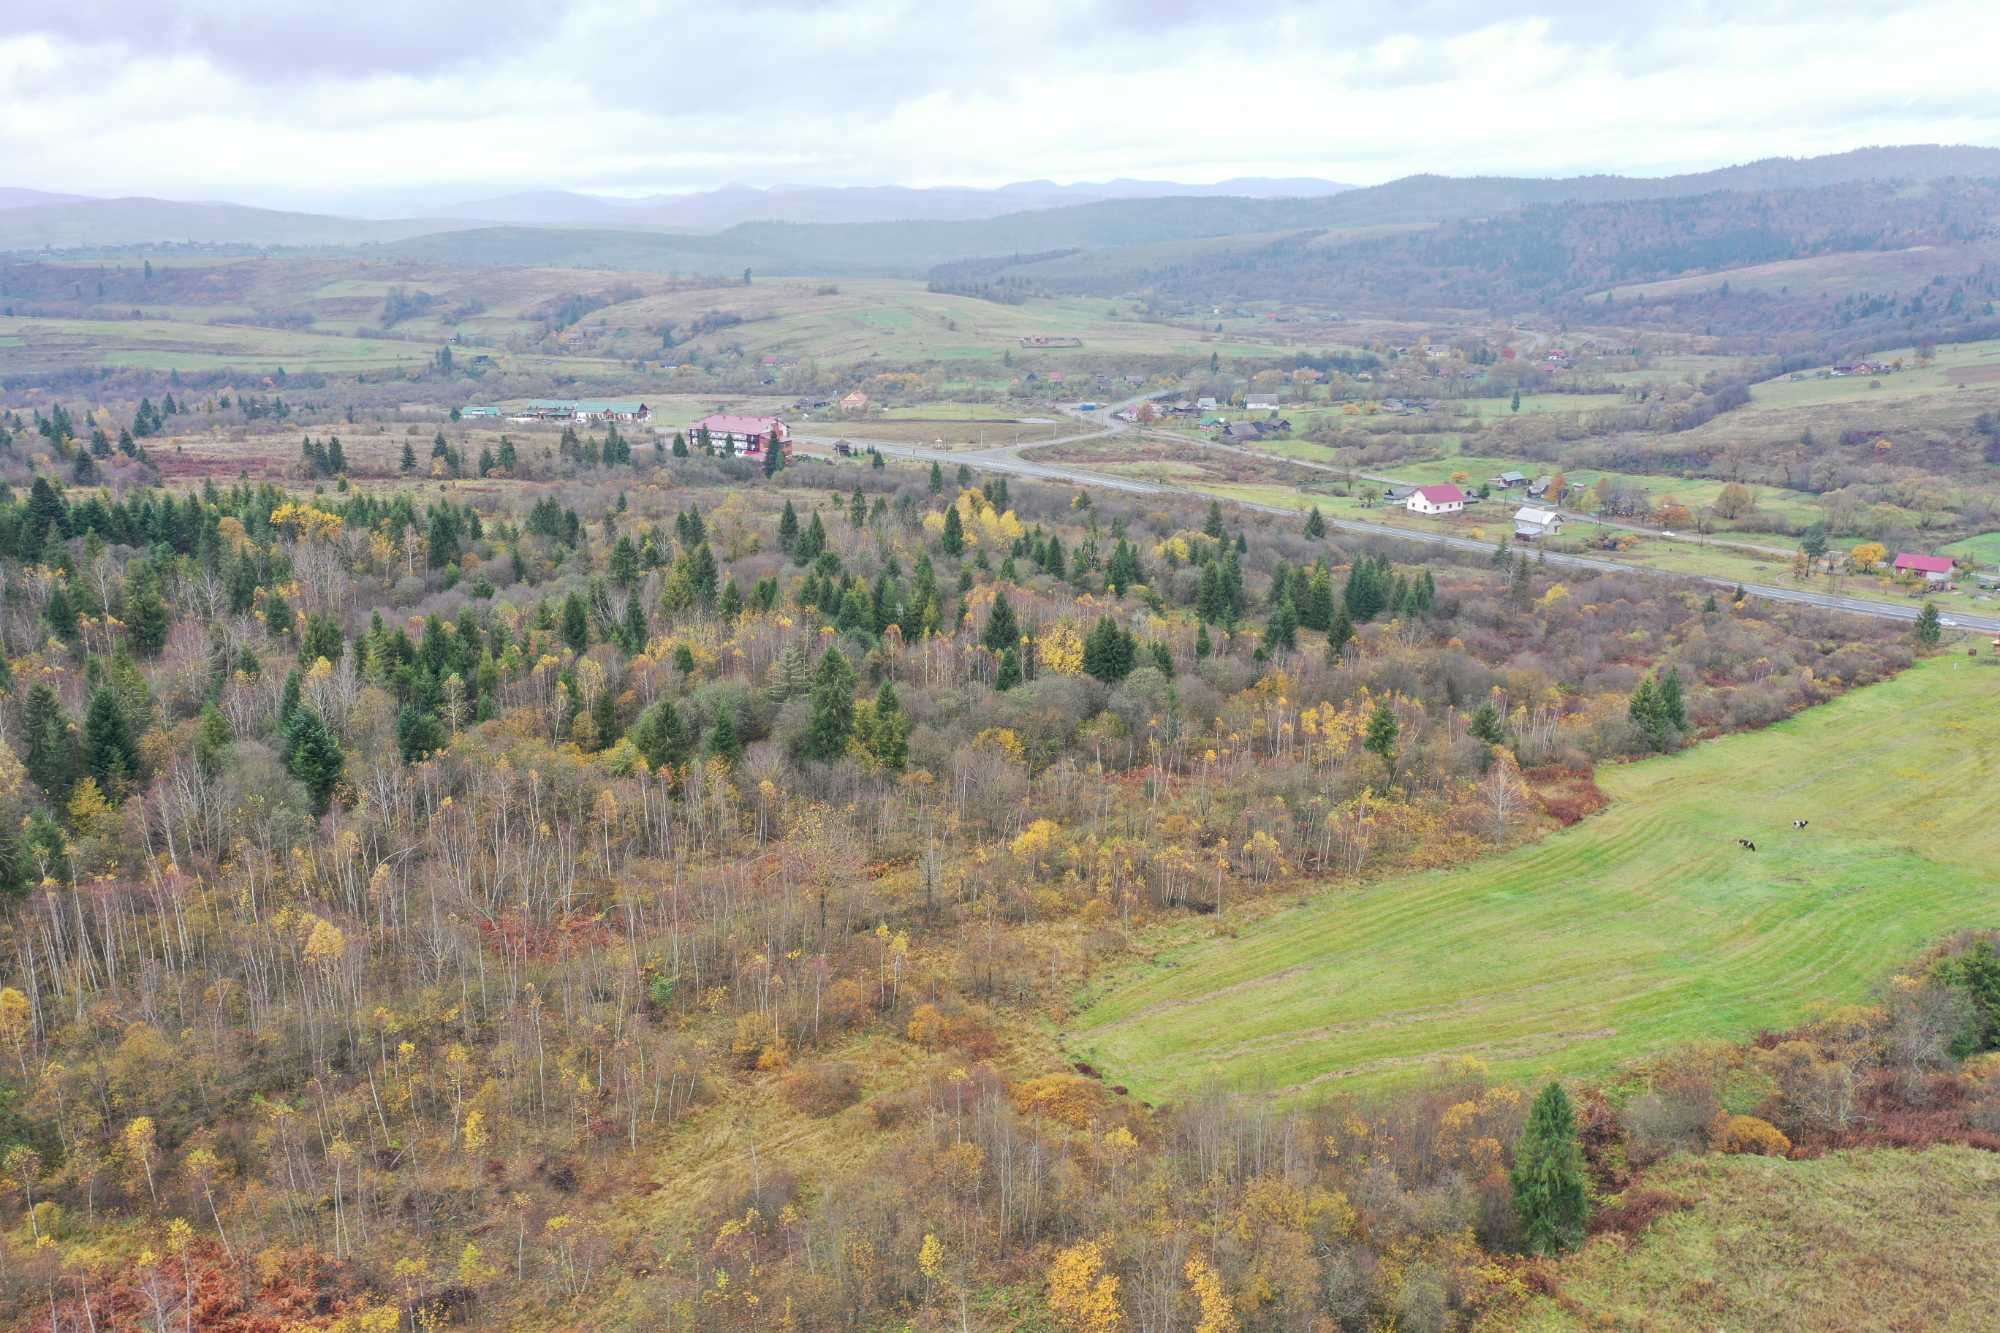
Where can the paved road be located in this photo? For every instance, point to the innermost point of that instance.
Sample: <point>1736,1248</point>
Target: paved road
<point>1008,461</point>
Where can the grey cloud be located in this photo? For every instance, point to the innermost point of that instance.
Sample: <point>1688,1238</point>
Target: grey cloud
<point>272,40</point>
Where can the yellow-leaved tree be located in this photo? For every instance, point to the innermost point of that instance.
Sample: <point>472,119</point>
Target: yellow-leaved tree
<point>1082,1296</point>
<point>1218,1313</point>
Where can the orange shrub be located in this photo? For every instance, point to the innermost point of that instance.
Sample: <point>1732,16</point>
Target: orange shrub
<point>1070,1098</point>
<point>1748,1134</point>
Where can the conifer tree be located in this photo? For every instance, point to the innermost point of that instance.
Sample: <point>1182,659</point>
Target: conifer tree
<point>723,742</point>
<point>1009,673</point>
<point>889,730</point>
<point>662,737</point>
<point>1485,724</point>
<point>313,757</point>
<point>1382,733</point>
<point>575,624</point>
<point>1281,631</point>
<point>952,540</point>
<point>1673,704</point>
<point>1003,631</point>
<point>832,721</point>
<point>48,748</point>
<point>1550,1196</point>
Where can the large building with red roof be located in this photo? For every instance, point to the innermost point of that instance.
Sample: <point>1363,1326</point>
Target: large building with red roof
<point>740,434</point>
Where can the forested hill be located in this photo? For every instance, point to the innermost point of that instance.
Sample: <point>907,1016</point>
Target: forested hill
<point>913,247</point>
<point>1549,253</point>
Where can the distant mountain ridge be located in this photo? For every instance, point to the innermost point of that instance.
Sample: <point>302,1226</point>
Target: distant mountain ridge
<point>1034,216</point>
<point>712,210</point>
<point>12,197</point>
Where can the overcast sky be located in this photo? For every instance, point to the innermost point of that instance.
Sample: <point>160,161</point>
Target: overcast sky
<point>305,102</point>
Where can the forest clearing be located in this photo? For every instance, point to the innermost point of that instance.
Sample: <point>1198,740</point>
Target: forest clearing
<point>1642,926</point>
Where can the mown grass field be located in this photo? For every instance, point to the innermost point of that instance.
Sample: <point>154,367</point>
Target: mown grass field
<point>1958,366</point>
<point>1878,1239</point>
<point>1641,927</point>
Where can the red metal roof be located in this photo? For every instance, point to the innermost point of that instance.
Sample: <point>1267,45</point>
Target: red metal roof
<point>723,423</point>
<point>1926,564</point>
<point>1444,493</point>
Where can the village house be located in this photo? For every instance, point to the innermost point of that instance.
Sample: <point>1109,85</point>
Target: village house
<point>1443,498</point>
<point>741,433</point>
<point>1260,403</point>
<point>1936,569</point>
<point>1540,486</point>
<point>1530,523</point>
<point>610,409</point>
<point>856,401</point>
<point>1507,481</point>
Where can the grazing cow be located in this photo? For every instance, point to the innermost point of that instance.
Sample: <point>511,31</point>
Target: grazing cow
<point>1800,823</point>
<point>1746,844</point>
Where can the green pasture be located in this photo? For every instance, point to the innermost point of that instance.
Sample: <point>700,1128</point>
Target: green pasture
<point>161,344</point>
<point>1640,927</point>
<point>1957,367</point>
<point>1984,548</point>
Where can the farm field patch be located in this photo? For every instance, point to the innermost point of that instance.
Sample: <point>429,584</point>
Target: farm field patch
<point>1640,927</point>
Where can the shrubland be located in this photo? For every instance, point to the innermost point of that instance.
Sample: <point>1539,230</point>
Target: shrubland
<point>643,895</point>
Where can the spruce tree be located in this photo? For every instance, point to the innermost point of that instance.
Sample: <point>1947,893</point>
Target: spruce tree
<point>313,757</point>
<point>48,747</point>
<point>1929,629</point>
<point>661,737</point>
<point>1108,651</point>
<point>1202,646</point>
<point>1281,632</point>
<point>788,528</point>
<point>110,749</point>
<point>1673,704</point>
<point>1382,733</point>
<point>1315,524</point>
<point>1550,1194</point>
<point>1485,724</point>
<point>1003,631</point>
<point>1009,674</point>
<point>952,541</point>
<point>575,624</point>
<point>1213,527</point>
<point>832,721</point>
<point>146,613</point>
<point>723,742</point>
<point>937,478</point>
<point>1339,634</point>
<point>889,730</point>
<point>1648,713</point>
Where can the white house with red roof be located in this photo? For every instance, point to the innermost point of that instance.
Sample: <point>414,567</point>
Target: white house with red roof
<point>1934,568</point>
<point>1443,498</point>
<point>742,434</point>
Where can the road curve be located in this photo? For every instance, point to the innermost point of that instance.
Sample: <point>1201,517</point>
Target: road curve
<point>1008,462</point>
